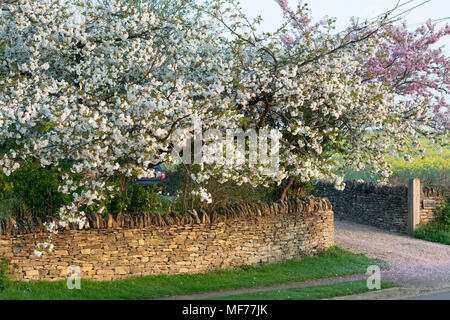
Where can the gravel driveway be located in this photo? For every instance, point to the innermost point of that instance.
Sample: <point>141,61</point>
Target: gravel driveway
<point>414,263</point>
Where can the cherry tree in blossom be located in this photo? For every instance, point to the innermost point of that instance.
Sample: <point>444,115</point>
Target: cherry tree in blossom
<point>373,88</point>
<point>410,63</point>
<point>114,87</point>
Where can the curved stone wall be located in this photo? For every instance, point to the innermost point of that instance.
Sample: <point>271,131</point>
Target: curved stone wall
<point>151,244</point>
<point>384,207</point>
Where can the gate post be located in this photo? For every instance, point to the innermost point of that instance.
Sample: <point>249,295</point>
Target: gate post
<point>413,205</point>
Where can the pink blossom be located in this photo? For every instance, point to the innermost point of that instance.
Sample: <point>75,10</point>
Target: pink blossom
<point>283,4</point>
<point>407,61</point>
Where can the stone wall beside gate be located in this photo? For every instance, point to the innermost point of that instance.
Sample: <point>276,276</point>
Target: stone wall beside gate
<point>384,207</point>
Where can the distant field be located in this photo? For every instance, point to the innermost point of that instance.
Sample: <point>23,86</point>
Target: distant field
<point>433,169</point>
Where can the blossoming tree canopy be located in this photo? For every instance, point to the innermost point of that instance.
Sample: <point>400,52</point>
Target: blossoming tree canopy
<point>109,85</point>
<point>104,86</point>
<point>411,64</point>
<point>357,93</point>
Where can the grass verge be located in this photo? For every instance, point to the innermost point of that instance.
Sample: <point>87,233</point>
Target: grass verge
<point>439,229</point>
<point>309,293</point>
<point>433,233</point>
<point>332,263</point>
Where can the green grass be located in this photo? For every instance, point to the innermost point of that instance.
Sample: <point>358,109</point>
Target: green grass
<point>309,293</point>
<point>334,262</point>
<point>433,233</point>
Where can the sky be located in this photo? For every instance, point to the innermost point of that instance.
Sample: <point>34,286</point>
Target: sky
<point>343,10</point>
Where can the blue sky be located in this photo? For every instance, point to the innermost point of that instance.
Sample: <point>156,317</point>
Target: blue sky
<point>343,10</point>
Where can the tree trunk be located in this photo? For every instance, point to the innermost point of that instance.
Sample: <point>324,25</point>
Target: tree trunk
<point>286,188</point>
<point>185,190</point>
<point>123,189</point>
<point>36,162</point>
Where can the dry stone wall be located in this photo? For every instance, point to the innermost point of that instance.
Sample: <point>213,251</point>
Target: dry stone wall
<point>384,207</point>
<point>429,200</point>
<point>152,244</point>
